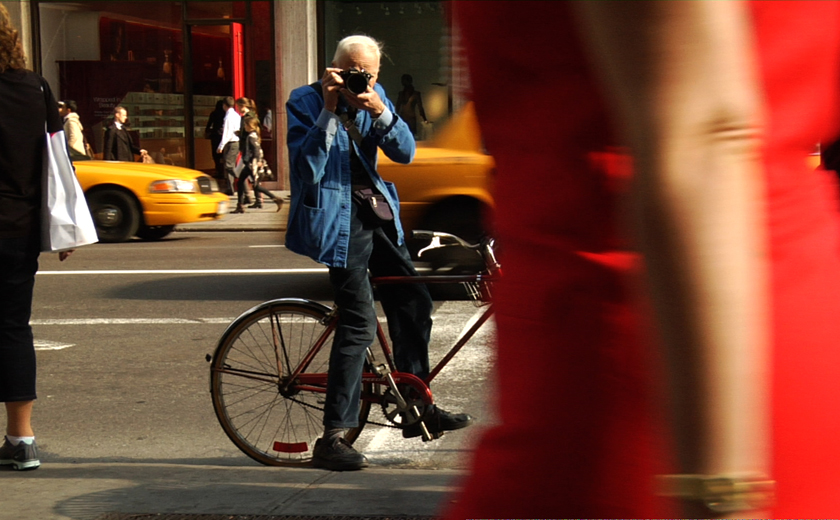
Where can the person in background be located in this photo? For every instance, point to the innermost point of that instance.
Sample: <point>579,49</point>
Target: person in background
<point>409,103</point>
<point>267,120</point>
<point>26,104</point>
<point>327,224</point>
<point>213,132</point>
<point>229,143</point>
<point>247,110</point>
<point>252,156</point>
<point>118,143</point>
<point>73,129</point>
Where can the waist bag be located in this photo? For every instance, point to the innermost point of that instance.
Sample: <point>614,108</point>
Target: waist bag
<point>373,208</point>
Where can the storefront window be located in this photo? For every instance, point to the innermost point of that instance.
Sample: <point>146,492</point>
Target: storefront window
<point>107,53</point>
<point>416,38</point>
<point>215,10</point>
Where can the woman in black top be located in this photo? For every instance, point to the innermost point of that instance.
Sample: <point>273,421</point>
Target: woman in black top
<point>26,102</point>
<point>246,109</point>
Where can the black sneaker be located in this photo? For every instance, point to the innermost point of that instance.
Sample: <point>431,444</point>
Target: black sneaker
<point>438,420</point>
<point>338,456</point>
<point>22,456</point>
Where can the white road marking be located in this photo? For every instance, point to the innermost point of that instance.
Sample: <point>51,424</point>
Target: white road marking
<point>131,321</point>
<point>44,344</point>
<point>194,271</point>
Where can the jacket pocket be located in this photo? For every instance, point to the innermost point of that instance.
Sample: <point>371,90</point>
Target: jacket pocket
<point>314,223</point>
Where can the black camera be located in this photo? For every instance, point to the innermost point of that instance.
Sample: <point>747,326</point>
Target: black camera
<point>356,81</point>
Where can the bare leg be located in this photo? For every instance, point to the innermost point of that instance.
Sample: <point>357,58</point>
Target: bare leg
<point>18,419</point>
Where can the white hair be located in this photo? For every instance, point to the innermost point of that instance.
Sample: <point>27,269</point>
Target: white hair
<point>349,44</point>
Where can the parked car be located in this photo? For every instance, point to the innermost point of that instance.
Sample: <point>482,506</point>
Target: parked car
<point>448,185</point>
<point>130,199</point>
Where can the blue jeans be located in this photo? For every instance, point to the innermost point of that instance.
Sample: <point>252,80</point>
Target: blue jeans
<point>408,308</point>
<point>18,265</point>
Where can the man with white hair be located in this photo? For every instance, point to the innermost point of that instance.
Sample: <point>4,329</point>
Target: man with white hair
<point>327,223</point>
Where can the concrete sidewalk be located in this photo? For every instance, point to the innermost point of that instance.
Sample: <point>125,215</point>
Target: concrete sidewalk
<point>265,219</point>
<point>124,491</point>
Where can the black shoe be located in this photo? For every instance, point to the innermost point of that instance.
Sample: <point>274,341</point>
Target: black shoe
<point>257,205</point>
<point>438,420</point>
<point>338,456</point>
<point>247,200</point>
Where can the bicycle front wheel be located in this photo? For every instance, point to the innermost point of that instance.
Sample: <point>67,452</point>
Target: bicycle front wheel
<point>255,381</point>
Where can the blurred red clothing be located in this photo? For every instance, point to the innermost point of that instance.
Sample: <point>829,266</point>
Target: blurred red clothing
<point>581,433</point>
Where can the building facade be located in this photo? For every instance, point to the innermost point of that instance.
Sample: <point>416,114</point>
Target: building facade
<point>169,62</point>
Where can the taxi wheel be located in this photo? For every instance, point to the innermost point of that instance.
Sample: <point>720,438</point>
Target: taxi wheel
<point>154,232</point>
<point>115,215</point>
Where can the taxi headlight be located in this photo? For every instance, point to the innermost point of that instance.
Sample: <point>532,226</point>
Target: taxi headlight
<point>172,186</point>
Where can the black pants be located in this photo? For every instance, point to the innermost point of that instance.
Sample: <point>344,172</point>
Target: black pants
<point>258,189</point>
<point>242,186</point>
<point>18,265</point>
<point>408,308</point>
<point>230,152</point>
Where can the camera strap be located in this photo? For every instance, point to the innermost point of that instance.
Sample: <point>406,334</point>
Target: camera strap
<point>351,128</point>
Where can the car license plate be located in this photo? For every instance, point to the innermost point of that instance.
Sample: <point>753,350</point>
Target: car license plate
<point>222,208</point>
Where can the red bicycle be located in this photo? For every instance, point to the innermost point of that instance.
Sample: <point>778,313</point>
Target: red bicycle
<point>268,374</point>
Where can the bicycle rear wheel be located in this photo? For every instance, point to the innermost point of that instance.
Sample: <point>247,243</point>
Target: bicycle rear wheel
<point>271,418</point>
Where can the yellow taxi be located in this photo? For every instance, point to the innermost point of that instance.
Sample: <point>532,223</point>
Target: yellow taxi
<point>448,185</point>
<point>130,199</point>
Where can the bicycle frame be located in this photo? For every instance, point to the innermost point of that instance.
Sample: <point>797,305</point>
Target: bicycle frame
<point>315,382</point>
<point>466,335</point>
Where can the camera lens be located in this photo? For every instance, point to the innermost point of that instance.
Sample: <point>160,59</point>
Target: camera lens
<point>355,82</point>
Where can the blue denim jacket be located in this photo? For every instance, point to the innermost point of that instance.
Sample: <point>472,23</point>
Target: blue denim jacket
<point>319,155</point>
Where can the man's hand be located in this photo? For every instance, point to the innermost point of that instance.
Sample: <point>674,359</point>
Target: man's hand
<point>368,101</point>
<point>331,85</point>
<point>62,256</point>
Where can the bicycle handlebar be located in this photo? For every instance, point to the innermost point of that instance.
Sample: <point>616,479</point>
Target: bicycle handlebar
<point>424,234</point>
<point>484,247</point>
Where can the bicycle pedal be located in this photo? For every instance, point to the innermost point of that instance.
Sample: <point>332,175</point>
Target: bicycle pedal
<point>432,436</point>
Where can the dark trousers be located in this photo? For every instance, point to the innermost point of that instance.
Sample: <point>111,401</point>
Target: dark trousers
<point>218,157</point>
<point>242,185</point>
<point>408,308</point>
<point>18,264</point>
<point>259,190</point>
<point>230,152</point>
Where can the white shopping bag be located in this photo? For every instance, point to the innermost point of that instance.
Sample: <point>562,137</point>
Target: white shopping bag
<point>66,222</point>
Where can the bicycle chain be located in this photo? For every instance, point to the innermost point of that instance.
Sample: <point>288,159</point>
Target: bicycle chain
<point>321,409</point>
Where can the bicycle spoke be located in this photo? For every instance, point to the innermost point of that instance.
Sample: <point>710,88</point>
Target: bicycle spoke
<point>257,401</point>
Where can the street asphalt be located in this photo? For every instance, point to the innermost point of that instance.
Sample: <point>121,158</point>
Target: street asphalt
<point>104,490</point>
